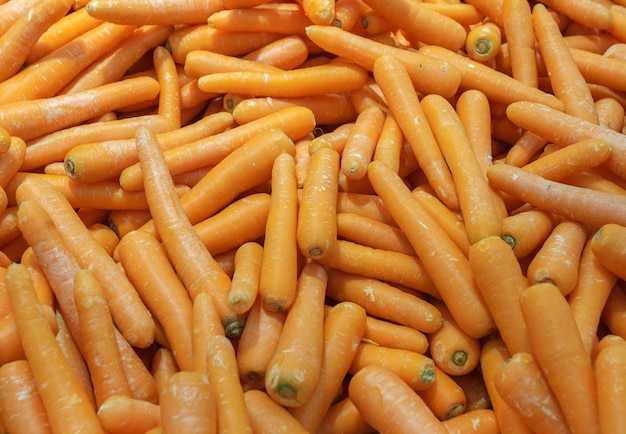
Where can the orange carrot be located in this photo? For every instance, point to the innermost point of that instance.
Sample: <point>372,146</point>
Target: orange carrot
<point>12,160</point>
<point>344,417</point>
<point>475,390</point>
<point>381,409</point>
<point>11,11</point>
<point>205,323</point>
<point>119,414</point>
<point>481,421</point>
<point>372,233</point>
<point>526,229</point>
<point>608,367</point>
<point>394,335</point>
<point>169,94</point>
<point>445,397</point>
<point>267,416</point>
<point>589,13</point>
<point>483,42</point>
<point>361,142</point>
<point>290,21</point>
<point>520,38</point>
<point>245,281</point>
<point>148,12</point>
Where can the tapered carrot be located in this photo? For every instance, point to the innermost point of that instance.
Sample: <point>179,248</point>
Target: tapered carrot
<point>129,313</point>
<point>230,403</point>
<point>119,414</point>
<point>445,397</point>
<point>147,266</point>
<point>606,245</point>
<point>368,205</point>
<point>12,160</point>
<point>21,407</point>
<point>610,113</point>
<point>169,93</point>
<point>392,77</point>
<point>519,32</point>
<point>97,338</point>
<point>195,265</point>
<point>203,62</point>
<point>433,76</point>
<point>377,392</point>
<point>361,142</point>
<point>66,405</point>
<point>372,233</point>
<point>279,271</point>
<point>561,355</point>
<point>293,371</point>
<point>267,416</point>
<point>287,52</point>
<point>588,13</point>
<point>245,281</point>
<point>609,366</point>
<point>290,21</point>
<point>205,323</point>
<point>522,385</point>
<point>188,404</point>
<point>599,207</point>
<point>526,230</point>
<point>388,334</point>
<point>35,118</point>
<point>257,344</point>
<point>317,217</point>
<point>146,12</point>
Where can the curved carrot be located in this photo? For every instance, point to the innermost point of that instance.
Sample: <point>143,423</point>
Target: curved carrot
<point>520,38</point>
<point>119,414</point>
<point>245,280</point>
<point>147,12</point>
<point>169,93</point>
<point>286,53</point>
<point>361,142</point>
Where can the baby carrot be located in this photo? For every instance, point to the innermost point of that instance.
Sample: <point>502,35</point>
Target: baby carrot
<point>294,369</point>
<point>279,267</point>
<point>66,405</point>
<point>561,355</point>
<point>376,392</point>
<point>148,12</point>
<point>520,38</point>
<point>269,417</point>
<point>609,367</point>
<point>120,414</point>
<point>245,280</point>
<point>599,207</point>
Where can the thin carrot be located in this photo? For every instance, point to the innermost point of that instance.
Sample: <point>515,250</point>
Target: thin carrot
<point>147,12</point>
<point>119,414</point>
<point>561,355</point>
<point>372,233</point>
<point>525,230</point>
<point>162,367</point>
<point>203,62</point>
<point>12,160</point>
<point>294,369</point>
<point>279,270</point>
<point>519,32</point>
<point>10,345</point>
<point>445,397</point>
<point>474,421</point>
<point>66,405</point>
<point>188,404</point>
<point>610,113</point>
<point>148,268</point>
<point>230,403</point>
<point>376,392</point>
<point>361,142</point>
<point>194,264</point>
<point>205,323</point>
<point>523,386</point>
<point>606,245</point>
<point>11,11</point>
<point>613,311</point>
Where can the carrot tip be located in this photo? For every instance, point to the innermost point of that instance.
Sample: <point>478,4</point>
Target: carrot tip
<point>509,240</point>
<point>428,374</point>
<point>233,328</point>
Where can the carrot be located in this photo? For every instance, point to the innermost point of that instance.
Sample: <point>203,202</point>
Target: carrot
<point>294,369</point>
<point>610,113</point>
<point>606,245</point>
<point>433,75</point>
<point>342,77</point>
<point>613,311</point>
<point>599,207</point>
<point>348,13</point>
<point>169,94</point>
<point>475,390</point>
<point>194,264</point>
<point>35,118</point>
<point>10,346</point>
<point>11,11</point>
<point>21,407</point>
<point>566,80</point>
<point>376,392</point>
<point>452,350</point>
<point>361,142</point>
<point>526,230</point>
<point>188,403</point>
<point>609,366</point>
<point>120,414</point>
<point>344,417</point>
<point>388,334</point>
<point>203,62</point>
<point>392,77</point>
<point>162,367</point>
<point>519,32</point>
<point>321,12</point>
<point>372,233</point>
<point>245,281</point>
<point>278,276</point>
<point>287,52</point>
<point>474,421</point>
<point>445,398</point>
<point>267,416</point>
<point>522,385</point>
<point>317,216</point>
<point>67,407</point>
<point>141,12</point>
<point>205,323</point>
<point>129,313</point>
<point>148,268</point>
<point>229,396</point>
<point>561,354</point>
<point>12,160</point>
<point>289,21</point>
<point>257,344</point>
<point>483,42</point>
<point>390,142</point>
<point>589,13</point>
<point>335,139</point>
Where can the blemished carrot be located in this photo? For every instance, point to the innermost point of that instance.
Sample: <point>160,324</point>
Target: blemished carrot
<point>257,344</point>
<point>431,246</point>
<point>194,264</point>
<point>294,369</point>
<point>523,386</point>
<point>141,12</point>
<point>561,355</point>
<point>344,325</point>
<point>393,79</point>
<point>120,414</point>
<point>599,207</point>
<point>520,38</point>
<point>129,313</point>
<point>187,403</point>
<point>589,296</point>
<point>589,13</point>
<point>433,75</point>
<point>558,259</point>
<point>66,405</point>
<point>18,40</point>
<point>286,20</point>
<point>361,142</point>
<point>452,350</point>
<point>279,269</point>
<point>483,42</point>
<point>20,403</point>
<point>230,404</point>
<point>147,266</point>
<point>316,229</point>
<point>341,77</point>
<point>35,118</point>
<point>372,233</point>
<point>267,416</point>
<point>474,421</point>
<point>445,397</point>
<point>245,280</point>
<point>376,392</point>
<point>566,80</point>
<point>97,338</point>
<point>286,53</point>
<point>609,364</point>
<point>388,334</point>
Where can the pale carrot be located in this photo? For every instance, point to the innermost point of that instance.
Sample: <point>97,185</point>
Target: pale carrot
<point>589,13</point>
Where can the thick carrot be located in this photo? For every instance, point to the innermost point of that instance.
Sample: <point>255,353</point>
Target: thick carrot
<point>10,345</point>
<point>581,204</point>
<point>609,364</point>
<point>245,280</point>
<point>147,266</point>
<point>294,369</point>
<point>12,160</point>
<point>483,42</point>
<point>35,118</point>
<point>475,390</point>
<point>269,417</point>
<point>12,11</point>
<point>119,414</point>
<point>559,351</point>
<point>344,417</point>
<point>141,12</point>
<point>520,38</point>
<point>203,62</point>
<point>194,264</point>
<point>388,404</point>
<point>66,405</point>
<point>526,229</point>
<point>607,245</point>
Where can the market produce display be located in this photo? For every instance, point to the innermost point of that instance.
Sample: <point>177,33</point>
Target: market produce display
<point>312,216</point>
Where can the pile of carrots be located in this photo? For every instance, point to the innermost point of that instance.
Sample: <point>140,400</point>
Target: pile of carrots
<point>312,216</point>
